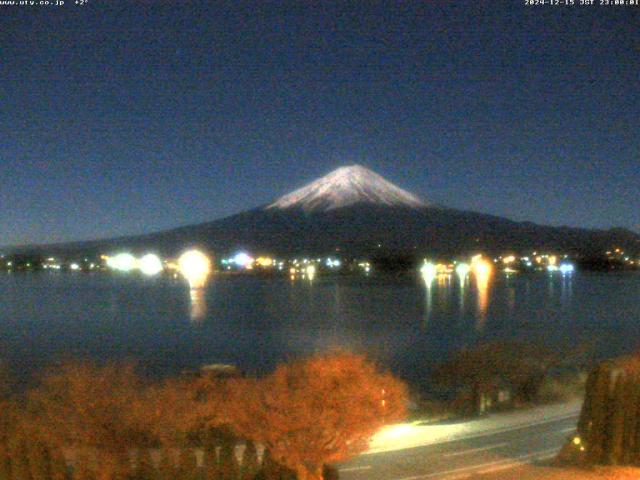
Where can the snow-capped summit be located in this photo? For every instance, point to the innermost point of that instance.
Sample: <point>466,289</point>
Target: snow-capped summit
<point>347,186</point>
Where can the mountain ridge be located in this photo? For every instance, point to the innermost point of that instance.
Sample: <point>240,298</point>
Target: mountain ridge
<point>357,212</point>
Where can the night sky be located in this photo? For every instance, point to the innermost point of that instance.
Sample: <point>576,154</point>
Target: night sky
<point>128,117</point>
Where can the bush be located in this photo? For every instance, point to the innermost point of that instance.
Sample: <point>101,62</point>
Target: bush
<point>562,388</point>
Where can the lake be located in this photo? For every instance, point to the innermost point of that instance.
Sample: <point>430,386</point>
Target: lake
<point>255,322</point>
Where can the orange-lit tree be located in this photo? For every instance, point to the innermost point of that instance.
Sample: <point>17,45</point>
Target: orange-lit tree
<point>6,425</point>
<point>319,410</point>
<point>87,407</point>
<point>170,408</point>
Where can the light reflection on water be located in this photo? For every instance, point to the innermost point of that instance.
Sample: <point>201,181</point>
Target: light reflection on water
<point>445,286</point>
<point>402,321</point>
<point>198,300</point>
<point>427,303</point>
<point>482,279</point>
<point>463,282</point>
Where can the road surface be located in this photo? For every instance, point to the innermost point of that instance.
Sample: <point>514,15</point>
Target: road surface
<point>501,443</point>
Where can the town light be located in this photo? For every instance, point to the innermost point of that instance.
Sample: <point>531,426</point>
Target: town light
<point>311,272</point>
<point>242,259</point>
<point>481,267</point>
<point>428,272</point>
<point>462,269</point>
<point>566,268</point>
<point>195,266</point>
<point>124,262</point>
<point>150,264</point>
<point>265,261</point>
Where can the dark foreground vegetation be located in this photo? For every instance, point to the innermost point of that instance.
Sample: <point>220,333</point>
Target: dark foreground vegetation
<point>88,422</point>
<point>503,375</point>
<point>608,431</point>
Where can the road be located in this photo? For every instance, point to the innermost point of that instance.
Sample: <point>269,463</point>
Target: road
<point>480,451</point>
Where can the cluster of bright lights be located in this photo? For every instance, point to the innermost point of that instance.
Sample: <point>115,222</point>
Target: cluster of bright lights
<point>366,266</point>
<point>482,268</point>
<point>509,259</point>
<point>265,262</point>
<point>195,266</point>
<point>333,263</point>
<point>243,260</point>
<point>444,268</point>
<point>430,271</point>
<point>150,264</point>
<point>566,268</point>
<point>54,266</point>
<point>123,262</point>
<point>309,271</point>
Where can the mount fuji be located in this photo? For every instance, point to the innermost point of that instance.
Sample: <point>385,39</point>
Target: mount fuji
<point>345,187</point>
<point>354,211</point>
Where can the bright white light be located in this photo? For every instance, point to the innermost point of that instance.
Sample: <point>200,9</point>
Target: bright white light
<point>566,268</point>
<point>462,269</point>
<point>150,264</point>
<point>242,259</point>
<point>552,268</point>
<point>428,271</point>
<point>195,266</point>
<point>124,262</point>
<point>74,266</point>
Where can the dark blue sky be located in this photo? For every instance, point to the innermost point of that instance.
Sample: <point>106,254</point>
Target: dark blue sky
<point>127,117</point>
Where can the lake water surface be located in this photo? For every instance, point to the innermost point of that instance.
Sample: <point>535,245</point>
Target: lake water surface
<point>254,322</point>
